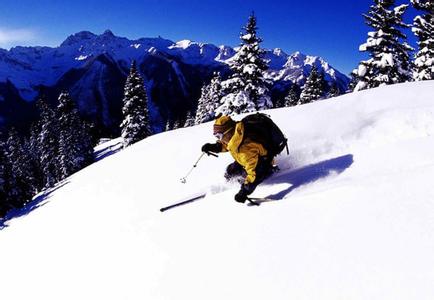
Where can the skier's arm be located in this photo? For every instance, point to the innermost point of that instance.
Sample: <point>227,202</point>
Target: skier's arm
<point>250,183</point>
<point>250,162</point>
<point>249,155</point>
<point>213,147</point>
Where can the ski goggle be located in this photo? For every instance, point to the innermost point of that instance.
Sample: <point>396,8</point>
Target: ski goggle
<point>220,135</point>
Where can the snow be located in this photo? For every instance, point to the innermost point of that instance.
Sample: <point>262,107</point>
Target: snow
<point>225,52</point>
<point>184,44</point>
<point>297,67</point>
<point>400,8</point>
<point>354,219</point>
<point>195,53</point>
<point>386,60</point>
<point>82,57</point>
<point>247,36</point>
<point>249,69</point>
<point>136,46</point>
<point>361,70</point>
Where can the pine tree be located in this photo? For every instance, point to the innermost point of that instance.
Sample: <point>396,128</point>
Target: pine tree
<point>32,146</point>
<point>48,141</point>
<point>280,102</point>
<point>353,81</point>
<point>189,121</point>
<point>211,95</point>
<point>390,59</point>
<point>177,124</point>
<point>168,126</point>
<point>21,179</point>
<point>334,90</point>
<point>136,123</point>
<point>314,87</point>
<point>247,90</point>
<point>4,180</point>
<point>423,28</point>
<point>202,112</point>
<point>75,146</point>
<point>293,96</point>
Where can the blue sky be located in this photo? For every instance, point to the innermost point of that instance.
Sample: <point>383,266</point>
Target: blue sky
<point>331,29</point>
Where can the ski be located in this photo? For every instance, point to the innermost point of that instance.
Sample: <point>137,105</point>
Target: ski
<point>195,198</point>
<point>255,201</point>
<point>252,201</point>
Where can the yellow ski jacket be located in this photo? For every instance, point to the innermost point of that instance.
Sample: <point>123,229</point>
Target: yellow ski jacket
<point>246,152</point>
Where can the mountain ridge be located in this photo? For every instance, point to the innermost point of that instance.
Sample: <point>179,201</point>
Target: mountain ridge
<point>183,66</point>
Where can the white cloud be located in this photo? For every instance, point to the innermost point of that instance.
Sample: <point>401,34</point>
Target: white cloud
<point>14,37</point>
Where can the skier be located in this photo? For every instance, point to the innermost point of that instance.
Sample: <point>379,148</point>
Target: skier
<point>252,160</point>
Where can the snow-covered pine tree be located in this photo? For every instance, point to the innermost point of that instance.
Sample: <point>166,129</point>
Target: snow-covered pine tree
<point>211,95</point>
<point>246,90</point>
<point>280,102</point>
<point>22,180</point>
<point>293,96</point>
<point>314,88</point>
<point>48,141</point>
<point>423,28</point>
<point>75,146</point>
<point>177,124</point>
<point>390,59</point>
<point>4,180</point>
<point>189,121</point>
<point>34,152</point>
<point>136,123</point>
<point>33,147</point>
<point>168,127</point>
<point>202,112</point>
<point>334,91</point>
<point>353,80</point>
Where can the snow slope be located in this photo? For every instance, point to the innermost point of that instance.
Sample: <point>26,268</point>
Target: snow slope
<point>355,219</point>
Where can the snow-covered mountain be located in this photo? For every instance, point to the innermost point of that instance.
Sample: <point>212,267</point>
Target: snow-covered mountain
<point>353,216</point>
<point>94,68</point>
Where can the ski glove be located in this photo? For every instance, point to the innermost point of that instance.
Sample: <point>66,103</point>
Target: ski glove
<point>208,147</point>
<point>246,189</point>
<point>241,196</point>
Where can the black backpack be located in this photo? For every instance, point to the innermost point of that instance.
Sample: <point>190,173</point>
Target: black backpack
<point>261,129</point>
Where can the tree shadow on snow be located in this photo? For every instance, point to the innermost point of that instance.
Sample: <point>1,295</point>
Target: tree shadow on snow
<point>37,202</point>
<point>309,174</point>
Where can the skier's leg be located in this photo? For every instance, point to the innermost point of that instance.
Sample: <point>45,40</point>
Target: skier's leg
<point>264,169</point>
<point>235,171</point>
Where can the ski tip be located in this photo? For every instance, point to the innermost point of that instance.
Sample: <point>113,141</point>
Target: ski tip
<point>252,202</point>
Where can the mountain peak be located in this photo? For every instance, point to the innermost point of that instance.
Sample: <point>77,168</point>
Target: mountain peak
<point>184,44</point>
<point>298,55</point>
<point>108,33</point>
<point>279,52</point>
<point>82,36</point>
<point>78,37</point>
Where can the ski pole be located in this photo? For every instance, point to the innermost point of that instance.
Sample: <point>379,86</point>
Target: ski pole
<point>183,202</point>
<point>184,179</point>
